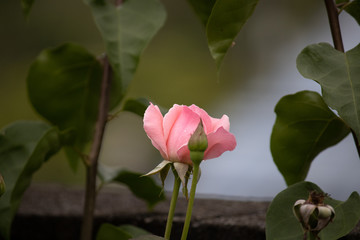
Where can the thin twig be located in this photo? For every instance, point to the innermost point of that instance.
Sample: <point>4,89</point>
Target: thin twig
<point>338,43</point>
<point>334,24</point>
<point>92,167</point>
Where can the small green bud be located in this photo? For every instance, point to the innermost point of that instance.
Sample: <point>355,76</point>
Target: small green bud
<point>198,144</point>
<point>2,186</point>
<point>198,140</point>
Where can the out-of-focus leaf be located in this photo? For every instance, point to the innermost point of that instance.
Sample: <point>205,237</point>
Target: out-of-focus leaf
<point>123,232</point>
<point>26,6</point>
<point>282,224</point>
<point>64,87</point>
<point>338,74</point>
<point>202,9</point>
<point>149,237</point>
<point>304,127</point>
<point>225,22</point>
<point>137,106</point>
<point>126,29</point>
<point>2,186</point>
<point>143,187</point>
<point>24,146</point>
<point>352,8</point>
<point>133,230</point>
<point>111,232</point>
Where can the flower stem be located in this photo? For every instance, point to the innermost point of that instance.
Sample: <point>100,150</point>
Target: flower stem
<point>177,183</point>
<point>191,201</point>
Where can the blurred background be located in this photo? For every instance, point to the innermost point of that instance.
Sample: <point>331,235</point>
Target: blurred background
<point>177,68</point>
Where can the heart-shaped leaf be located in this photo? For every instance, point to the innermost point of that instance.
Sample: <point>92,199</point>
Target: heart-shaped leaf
<point>64,87</point>
<point>338,74</point>
<point>24,146</point>
<point>304,127</point>
<point>225,22</point>
<point>126,29</point>
<point>144,187</point>
<point>281,222</point>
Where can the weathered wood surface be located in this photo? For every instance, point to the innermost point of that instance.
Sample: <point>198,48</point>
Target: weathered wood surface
<point>54,212</point>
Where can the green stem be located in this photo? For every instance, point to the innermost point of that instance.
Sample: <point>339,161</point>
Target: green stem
<point>177,183</point>
<point>191,201</point>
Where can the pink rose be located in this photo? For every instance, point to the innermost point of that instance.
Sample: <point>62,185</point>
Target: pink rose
<point>170,134</point>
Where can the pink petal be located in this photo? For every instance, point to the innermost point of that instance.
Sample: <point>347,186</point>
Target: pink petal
<point>183,126</point>
<point>222,122</point>
<point>184,155</point>
<point>153,126</point>
<point>219,142</point>
<point>170,118</point>
<point>206,119</point>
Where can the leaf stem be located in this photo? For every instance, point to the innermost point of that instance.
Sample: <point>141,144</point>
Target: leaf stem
<point>92,166</point>
<point>175,194</point>
<point>191,200</point>
<point>333,16</point>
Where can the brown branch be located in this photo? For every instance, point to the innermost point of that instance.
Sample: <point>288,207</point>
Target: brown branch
<point>338,43</point>
<point>92,166</point>
<point>334,24</point>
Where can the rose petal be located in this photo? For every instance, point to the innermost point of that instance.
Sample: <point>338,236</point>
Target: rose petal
<point>206,119</point>
<point>170,118</point>
<point>219,142</point>
<point>153,126</point>
<point>181,130</point>
<point>184,154</point>
<point>222,122</point>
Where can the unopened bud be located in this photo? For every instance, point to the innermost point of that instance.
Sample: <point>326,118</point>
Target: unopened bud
<point>2,186</point>
<point>313,214</point>
<point>197,144</point>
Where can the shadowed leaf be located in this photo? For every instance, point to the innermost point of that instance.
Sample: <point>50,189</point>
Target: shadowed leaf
<point>225,22</point>
<point>137,106</point>
<point>24,146</point>
<point>64,87</point>
<point>281,222</point>
<point>126,30</point>
<point>143,187</point>
<point>304,127</point>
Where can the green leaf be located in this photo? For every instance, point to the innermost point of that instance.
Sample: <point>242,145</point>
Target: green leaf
<point>225,22</point>
<point>281,222</point>
<point>24,146</point>
<point>149,237</point>
<point>137,106</point>
<point>123,232</point>
<point>202,9</point>
<point>304,127</point>
<point>64,87</point>
<point>352,8</point>
<point>2,185</point>
<point>339,76</point>
<point>126,30</point>
<point>26,6</point>
<point>133,230</point>
<point>110,232</point>
<point>143,187</point>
